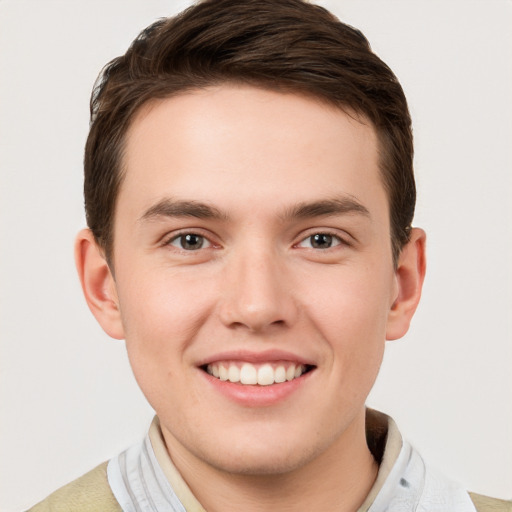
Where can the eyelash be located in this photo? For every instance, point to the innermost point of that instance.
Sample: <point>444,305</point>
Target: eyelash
<point>332,238</point>
<point>182,235</point>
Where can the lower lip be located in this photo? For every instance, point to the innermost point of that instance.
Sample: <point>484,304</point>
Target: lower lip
<point>254,395</point>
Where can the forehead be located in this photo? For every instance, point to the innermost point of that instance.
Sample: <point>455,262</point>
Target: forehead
<point>266,148</point>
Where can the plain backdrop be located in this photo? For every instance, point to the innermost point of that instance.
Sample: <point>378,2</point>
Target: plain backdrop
<point>68,400</point>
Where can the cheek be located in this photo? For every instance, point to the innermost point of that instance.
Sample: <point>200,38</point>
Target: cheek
<point>161,312</point>
<point>352,318</point>
<point>351,300</point>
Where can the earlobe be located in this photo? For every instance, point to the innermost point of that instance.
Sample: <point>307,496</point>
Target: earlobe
<point>409,275</point>
<point>98,284</point>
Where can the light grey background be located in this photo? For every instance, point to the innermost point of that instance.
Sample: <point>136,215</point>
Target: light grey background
<point>68,400</point>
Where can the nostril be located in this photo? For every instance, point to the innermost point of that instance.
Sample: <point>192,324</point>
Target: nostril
<point>256,325</point>
<point>257,307</point>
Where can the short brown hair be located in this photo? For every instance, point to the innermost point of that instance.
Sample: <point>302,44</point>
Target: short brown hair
<point>285,45</point>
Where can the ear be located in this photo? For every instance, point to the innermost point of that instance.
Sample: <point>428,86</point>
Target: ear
<point>409,276</point>
<point>98,284</point>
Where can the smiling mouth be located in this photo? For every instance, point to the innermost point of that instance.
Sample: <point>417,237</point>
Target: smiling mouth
<point>249,374</point>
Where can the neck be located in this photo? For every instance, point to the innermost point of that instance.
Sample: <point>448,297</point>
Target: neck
<point>338,479</point>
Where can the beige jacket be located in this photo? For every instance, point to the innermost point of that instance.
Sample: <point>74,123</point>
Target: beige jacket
<point>91,493</point>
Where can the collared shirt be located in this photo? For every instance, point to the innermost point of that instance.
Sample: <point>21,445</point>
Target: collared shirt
<point>144,478</point>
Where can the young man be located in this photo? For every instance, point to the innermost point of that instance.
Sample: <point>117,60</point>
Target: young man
<point>249,195</point>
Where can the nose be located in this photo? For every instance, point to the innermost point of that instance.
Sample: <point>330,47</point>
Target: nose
<point>257,293</point>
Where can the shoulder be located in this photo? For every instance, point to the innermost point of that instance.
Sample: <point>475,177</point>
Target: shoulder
<point>89,493</point>
<point>486,504</point>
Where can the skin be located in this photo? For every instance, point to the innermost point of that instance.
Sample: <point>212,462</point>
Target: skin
<point>257,284</point>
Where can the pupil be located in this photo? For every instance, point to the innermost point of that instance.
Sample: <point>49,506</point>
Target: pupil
<point>321,241</point>
<point>191,241</point>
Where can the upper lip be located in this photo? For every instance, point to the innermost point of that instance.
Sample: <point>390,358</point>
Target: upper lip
<point>266,356</point>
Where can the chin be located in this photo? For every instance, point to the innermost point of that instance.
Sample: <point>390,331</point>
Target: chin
<point>259,455</point>
<point>261,464</point>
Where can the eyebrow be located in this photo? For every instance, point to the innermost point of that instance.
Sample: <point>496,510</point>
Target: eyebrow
<point>326,207</point>
<point>175,208</point>
<point>182,208</point>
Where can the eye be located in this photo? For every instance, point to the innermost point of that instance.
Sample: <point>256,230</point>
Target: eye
<point>190,242</point>
<point>320,241</point>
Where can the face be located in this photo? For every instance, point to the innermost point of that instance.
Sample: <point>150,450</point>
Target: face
<point>253,273</point>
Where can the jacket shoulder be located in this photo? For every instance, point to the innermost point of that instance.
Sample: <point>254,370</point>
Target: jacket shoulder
<point>88,493</point>
<point>486,504</point>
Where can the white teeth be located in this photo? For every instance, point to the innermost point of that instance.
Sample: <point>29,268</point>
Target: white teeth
<point>233,373</point>
<point>280,374</point>
<point>265,375</point>
<point>223,372</point>
<point>249,374</point>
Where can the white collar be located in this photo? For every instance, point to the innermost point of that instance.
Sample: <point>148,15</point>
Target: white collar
<point>144,478</point>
